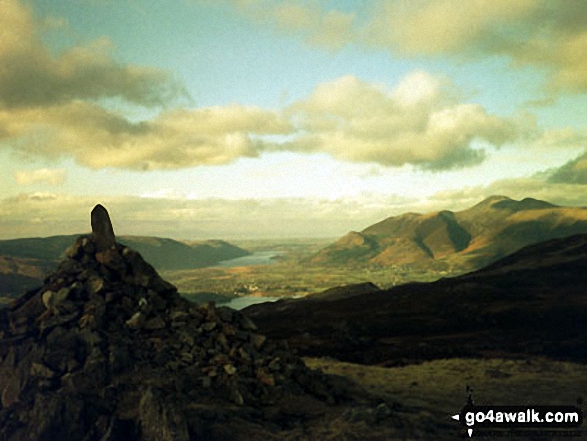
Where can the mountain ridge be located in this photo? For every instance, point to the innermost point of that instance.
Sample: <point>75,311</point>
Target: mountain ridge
<point>466,240</point>
<point>24,261</point>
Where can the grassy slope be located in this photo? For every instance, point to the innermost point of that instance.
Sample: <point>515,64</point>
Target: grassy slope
<point>420,399</point>
<point>427,394</point>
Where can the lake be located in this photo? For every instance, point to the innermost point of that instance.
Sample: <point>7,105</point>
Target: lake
<point>243,302</point>
<point>256,258</point>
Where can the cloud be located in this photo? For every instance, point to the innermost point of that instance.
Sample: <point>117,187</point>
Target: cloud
<point>32,76</point>
<point>168,214</point>
<point>538,187</point>
<point>49,110</point>
<point>431,27</point>
<point>549,35</point>
<point>163,215</point>
<point>329,29</point>
<point>44,214</point>
<point>178,138</point>
<point>573,172</point>
<point>52,177</point>
<point>540,33</point>
<point>48,106</point>
<point>564,137</point>
<point>420,122</point>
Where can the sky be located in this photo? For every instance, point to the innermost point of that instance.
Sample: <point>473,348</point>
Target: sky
<point>236,119</point>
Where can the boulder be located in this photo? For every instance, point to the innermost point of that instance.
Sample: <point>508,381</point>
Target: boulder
<point>102,231</point>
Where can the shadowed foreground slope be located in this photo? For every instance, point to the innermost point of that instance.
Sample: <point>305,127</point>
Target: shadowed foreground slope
<point>532,302</point>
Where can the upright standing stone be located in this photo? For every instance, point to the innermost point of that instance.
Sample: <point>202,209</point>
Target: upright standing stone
<point>102,229</point>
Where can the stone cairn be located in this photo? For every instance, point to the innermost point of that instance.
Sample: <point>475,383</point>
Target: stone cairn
<point>106,349</point>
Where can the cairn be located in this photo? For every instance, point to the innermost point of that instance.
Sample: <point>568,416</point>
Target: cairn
<point>106,349</point>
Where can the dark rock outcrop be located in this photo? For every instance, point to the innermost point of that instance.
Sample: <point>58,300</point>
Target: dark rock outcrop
<point>102,231</point>
<point>106,349</point>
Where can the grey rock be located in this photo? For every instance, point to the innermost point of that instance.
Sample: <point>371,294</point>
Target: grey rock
<point>53,299</point>
<point>11,392</point>
<point>258,340</point>
<point>161,421</point>
<point>237,397</point>
<point>136,321</point>
<point>382,411</point>
<point>208,326</point>
<point>102,231</point>
<point>57,320</point>
<point>154,323</point>
<point>229,369</point>
<point>179,316</point>
<point>225,313</point>
<point>156,300</point>
<point>187,357</point>
<point>94,284</point>
<point>111,259</point>
<point>119,359</point>
<point>248,324</point>
<point>40,370</point>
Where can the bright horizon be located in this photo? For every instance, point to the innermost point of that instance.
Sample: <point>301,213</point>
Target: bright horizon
<point>243,119</point>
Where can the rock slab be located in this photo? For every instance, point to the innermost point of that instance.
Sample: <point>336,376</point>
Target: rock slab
<point>102,230</point>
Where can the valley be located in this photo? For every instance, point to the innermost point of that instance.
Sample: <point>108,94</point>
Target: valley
<point>400,249</point>
<point>291,274</point>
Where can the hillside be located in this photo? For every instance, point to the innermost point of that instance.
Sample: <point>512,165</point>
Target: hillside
<point>464,240</point>
<point>531,302</point>
<point>169,254</point>
<point>24,262</point>
<point>20,274</point>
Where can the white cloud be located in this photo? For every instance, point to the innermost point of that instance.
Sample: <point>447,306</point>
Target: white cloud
<point>34,77</point>
<point>330,29</point>
<point>573,172</point>
<point>52,177</point>
<point>550,35</point>
<point>420,122</point>
<point>196,218</point>
<point>179,138</point>
<point>538,187</point>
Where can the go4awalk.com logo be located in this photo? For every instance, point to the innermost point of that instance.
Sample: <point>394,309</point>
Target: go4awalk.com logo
<point>520,420</point>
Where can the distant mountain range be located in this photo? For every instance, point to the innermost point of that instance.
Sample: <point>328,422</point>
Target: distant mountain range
<point>463,240</point>
<point>531,302</point>
<point>23,262</point>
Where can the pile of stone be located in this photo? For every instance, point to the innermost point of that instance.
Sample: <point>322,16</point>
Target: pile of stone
<point>106,349</point>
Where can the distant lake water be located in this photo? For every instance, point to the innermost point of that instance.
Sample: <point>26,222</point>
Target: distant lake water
<point>243,302</point>
<point>257,258</point>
